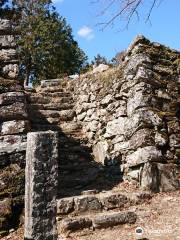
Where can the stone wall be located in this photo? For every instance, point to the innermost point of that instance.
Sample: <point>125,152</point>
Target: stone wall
<point>126,117</point>
<point>130,114</point>
<point>13,128</point>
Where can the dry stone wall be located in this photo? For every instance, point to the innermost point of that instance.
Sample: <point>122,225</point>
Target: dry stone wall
<point>13,128</point>
<point>131,114</point>
<point>127,117</point>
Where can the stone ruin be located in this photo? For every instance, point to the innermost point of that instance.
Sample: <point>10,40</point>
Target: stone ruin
<point>14,126</point>
<point>119,125</point>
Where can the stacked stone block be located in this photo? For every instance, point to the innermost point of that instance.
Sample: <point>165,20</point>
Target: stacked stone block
<point>41,186</point>
<point>131,115</point>
<point>13,128</point>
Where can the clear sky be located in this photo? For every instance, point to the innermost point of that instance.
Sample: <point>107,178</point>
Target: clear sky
<point>82,16</point>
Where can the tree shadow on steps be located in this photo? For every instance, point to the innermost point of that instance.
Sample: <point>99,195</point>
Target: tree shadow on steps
<point>78,170</point>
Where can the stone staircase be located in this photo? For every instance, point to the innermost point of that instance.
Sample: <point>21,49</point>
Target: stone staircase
<point>51,108</point>
<point>93,210</point>
<point>86,199</point>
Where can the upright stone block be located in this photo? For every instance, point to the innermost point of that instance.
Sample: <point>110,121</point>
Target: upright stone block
<point>41,186</point>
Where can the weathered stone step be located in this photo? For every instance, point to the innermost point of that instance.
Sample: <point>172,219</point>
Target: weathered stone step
<point>103,220</point>
<point>78,154</point>
<point>66,128</point>
<point>51,106</point>
<point>64,115</point>
<point>75,148</point>
<point>47,98</point>
<point>103,201</point>
<point>51,89</point>
<point>51,83</point>
<point>78,179</point>
<point>56,95</point>
<point>74,167</point>
<point>63,83</point>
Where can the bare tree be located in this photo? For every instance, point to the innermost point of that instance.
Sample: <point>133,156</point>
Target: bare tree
<point>125,10</point>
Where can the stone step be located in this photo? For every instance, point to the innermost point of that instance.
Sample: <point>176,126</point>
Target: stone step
<point>51,106</point>
<point>98,221</point>
<point>44,127</point>
<point>49,98</point>
<point>64,115</point>
<point>51,83</point>
<point>55,83</point>
<point>103,201</point>
<point>74,154</point>
<point>70,129</point>
<point>51,89</point>
<point>78,179</point>
<point>57,94</point>
<point>74,167</point>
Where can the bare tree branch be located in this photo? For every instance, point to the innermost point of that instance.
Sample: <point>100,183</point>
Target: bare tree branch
<point>150,11</point>
<point>127,9</point>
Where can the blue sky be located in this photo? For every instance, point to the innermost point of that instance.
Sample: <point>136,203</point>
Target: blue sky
<point>82,16</point>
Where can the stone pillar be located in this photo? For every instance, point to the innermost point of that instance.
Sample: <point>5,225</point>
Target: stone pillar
<point>41,186</point>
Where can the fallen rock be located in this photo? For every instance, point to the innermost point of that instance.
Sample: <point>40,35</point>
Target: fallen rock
<point>70,225</point>
<point>113,219</point>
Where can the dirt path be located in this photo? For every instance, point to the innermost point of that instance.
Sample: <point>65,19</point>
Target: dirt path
<point>159,220</point>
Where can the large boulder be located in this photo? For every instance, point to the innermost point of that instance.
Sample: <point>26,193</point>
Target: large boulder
<point>160,177</point>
